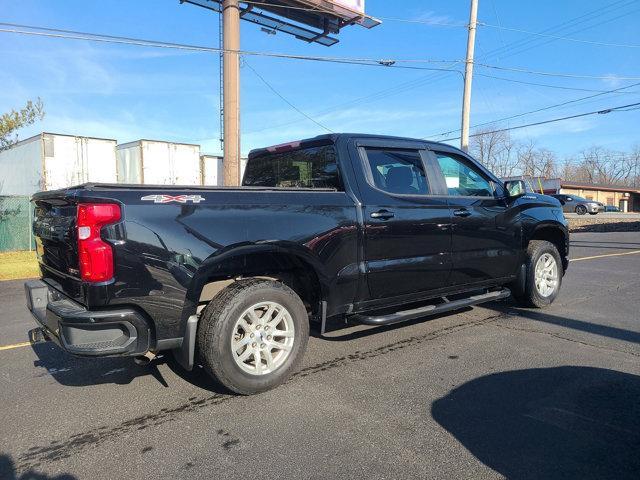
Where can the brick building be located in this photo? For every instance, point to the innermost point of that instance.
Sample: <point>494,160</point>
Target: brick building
<point>627,199</point>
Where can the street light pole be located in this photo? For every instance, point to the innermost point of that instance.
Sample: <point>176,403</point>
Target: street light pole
<point>468,76</point>
<point>231,91</point>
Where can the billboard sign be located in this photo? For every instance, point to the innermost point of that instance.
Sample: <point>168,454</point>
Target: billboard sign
<point>325,17</point>
<point>355,5</point>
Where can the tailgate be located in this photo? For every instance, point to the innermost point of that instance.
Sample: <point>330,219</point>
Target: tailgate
<point>75,227</point>
<point>54,229</point>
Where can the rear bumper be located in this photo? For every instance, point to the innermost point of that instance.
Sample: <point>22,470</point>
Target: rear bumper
<point>79,331</point>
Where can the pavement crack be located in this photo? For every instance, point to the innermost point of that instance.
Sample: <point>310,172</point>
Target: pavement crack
<point>568,339</point>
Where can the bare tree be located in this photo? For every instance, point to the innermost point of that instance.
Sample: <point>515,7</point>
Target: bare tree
<point>536,162</point>
<point>496,151</point>
<point>601,165</point>
<point>507,157</point>
<point>635,166</point>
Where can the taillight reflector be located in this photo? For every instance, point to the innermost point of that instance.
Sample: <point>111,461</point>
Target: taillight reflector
<point>95,256</point>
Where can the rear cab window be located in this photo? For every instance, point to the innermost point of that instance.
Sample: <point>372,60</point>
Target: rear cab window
<point>311,167</point>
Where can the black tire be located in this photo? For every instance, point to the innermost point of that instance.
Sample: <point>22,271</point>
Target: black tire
<point>524,290</point>
<point>593,213</point>
<point>581,209</point>
<point>216,326</point>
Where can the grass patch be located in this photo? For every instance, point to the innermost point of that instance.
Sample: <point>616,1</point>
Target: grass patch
<point>15,265</point>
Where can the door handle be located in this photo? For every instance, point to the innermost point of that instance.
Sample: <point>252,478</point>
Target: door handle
<point>463,212</point>
<point>382,214</point>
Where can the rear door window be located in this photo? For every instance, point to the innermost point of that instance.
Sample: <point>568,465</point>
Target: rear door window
<point>397,171</point>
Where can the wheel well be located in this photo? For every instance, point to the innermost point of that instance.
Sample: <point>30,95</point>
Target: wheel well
<point>553,235</point>
<point>289,269</point>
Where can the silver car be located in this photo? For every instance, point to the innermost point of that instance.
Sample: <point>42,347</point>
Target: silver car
<point>579,205</point>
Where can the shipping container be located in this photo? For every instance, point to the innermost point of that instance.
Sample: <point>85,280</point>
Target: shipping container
<point>49,161</point>
<point>154,162</point>
<point>212,171</point>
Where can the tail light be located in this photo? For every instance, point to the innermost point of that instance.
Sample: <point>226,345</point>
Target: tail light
<point>95,255</point>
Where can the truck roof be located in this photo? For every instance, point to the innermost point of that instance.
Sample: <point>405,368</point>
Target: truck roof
<point>329,138</point>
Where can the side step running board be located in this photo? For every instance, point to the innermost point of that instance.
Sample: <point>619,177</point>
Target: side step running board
<point>427,310</point>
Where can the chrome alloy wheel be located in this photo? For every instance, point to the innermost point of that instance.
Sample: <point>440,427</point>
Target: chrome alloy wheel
<point>262,338</point>
<point>546,275</point>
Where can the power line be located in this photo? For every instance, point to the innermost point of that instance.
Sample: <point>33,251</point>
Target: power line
<point>553,120</point>
<point>562,104</point>
<point>596,14</point>
<point>358,61</point>
<point>433,77</point>
<point>556,74</point>
<point>287,101</point>
<point>374,96</point>
<point>388,63</point>
<point>560,87</point>
<point>96,37</point>
<point>559,37</point>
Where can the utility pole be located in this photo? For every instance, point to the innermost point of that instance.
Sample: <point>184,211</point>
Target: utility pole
<point>468,76</point>
<point>231,91</point>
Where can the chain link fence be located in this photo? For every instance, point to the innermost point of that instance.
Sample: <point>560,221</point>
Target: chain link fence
<point>15,224</point>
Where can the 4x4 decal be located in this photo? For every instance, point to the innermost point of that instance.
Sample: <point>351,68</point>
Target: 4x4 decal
<point>173,198</point>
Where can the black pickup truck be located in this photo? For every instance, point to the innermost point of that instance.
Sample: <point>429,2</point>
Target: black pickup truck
<point>343,227</point>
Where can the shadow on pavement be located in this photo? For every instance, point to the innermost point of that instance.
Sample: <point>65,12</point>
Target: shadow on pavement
<point>542,316</point>
<point>74,371</point>
<point>8,472</point>
<point>198,377</point>
<point>82,371</point>
<point>551,423</point>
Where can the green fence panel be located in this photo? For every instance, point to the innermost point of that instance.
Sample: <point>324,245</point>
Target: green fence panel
<point>15,224</point>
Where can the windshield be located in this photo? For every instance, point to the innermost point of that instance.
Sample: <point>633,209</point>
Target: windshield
<point>313,167</point>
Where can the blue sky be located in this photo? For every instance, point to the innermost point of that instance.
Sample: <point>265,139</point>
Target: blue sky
<point>129,92</point>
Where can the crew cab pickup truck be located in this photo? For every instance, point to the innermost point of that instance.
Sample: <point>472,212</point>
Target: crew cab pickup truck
<point>342,227</point>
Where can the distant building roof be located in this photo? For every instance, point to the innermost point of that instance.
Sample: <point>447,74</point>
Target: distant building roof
<point>598,186</point>
<point>555,184</point>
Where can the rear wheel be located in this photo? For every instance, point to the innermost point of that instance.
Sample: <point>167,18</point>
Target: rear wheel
<point>581,209</point>
<point>542,275</point>
<point>252,336</point>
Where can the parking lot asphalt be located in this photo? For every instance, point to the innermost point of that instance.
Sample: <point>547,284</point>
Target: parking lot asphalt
<point>490,392</point>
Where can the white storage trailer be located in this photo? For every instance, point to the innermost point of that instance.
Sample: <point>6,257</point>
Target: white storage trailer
<point>49,161</point>
<point>212,171</point>
<point>153,162</point>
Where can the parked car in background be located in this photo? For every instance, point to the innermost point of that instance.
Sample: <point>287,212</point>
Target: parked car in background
<point>611,208</point>
<point>579,205</point>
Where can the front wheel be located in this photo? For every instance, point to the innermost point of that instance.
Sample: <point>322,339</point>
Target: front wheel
<point>252,335</point>
<point>581,209</point>
<point>543,275</point>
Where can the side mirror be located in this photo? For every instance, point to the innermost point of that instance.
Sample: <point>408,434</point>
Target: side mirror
<point>515,188</point>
